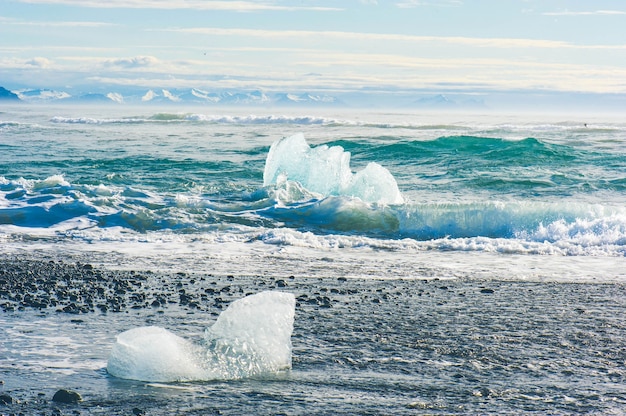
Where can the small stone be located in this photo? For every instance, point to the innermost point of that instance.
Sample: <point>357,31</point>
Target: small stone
<point>66,396</point>
<point>138,412</point>
<point>6,399</point>
<point>486,291</point>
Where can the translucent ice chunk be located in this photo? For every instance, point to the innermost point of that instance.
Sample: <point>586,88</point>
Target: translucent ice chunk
<point>251,337</point>
<point>326,171</point>
<point>152,353</point>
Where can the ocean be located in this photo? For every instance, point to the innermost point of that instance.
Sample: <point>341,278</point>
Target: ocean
<point>441,263</point>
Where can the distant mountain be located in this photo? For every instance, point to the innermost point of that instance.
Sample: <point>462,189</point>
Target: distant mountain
<point>159,96</point>
<point>305,99</point>
<point>197,96</point>
<point>42,95</point>
<point>190,96</point>
<point>93,98</point>
<point>443,102</point>
<point>437,101</point>
<point>6,95</point>
<point>244,98</point>
<point>115,97</point>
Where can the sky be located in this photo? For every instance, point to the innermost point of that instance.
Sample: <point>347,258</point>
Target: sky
<point>310,45</point>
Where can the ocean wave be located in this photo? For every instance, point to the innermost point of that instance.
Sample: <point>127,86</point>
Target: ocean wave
<point>203,118</point>
<point>267,119</point>
<point>9,124</point>
<point>400,127</point>
<point>91,120</point>
<point>529,227</point>
<point>313,190</point>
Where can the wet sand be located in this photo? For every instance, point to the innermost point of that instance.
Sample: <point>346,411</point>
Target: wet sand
<point>391,346</point>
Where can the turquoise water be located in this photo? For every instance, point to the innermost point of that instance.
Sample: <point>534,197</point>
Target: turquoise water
<point>491,283</point>
<point>555,182</point>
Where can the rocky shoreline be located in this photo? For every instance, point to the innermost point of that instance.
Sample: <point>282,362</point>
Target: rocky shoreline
<point>80,288</point>
<point>338,322</point>
<point>52,287</point>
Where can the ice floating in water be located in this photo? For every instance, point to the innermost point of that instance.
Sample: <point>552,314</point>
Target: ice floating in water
<point>326,170</point>
<point>252,337</point>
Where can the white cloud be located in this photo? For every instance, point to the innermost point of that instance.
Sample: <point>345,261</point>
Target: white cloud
<point>456,40</point>
<point>345,71</point>
<point>407,4</point>
<point>38,62</point>
<point>232,5</point>
<point>58,24</point>
<point>134,62</point>
<point>587,13</point>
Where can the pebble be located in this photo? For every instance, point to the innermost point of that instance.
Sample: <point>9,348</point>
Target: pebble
<point>66,396</point>
<point>5,399</point>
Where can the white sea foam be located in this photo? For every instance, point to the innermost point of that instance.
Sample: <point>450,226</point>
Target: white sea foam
<point>264,119</point>
<point>252,337</point>
<point>205,118</point>
<point>89,120</point>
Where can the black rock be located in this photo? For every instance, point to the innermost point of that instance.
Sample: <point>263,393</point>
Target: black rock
<point>486,291</point>
<point>5,399</point>
<point>66,396</point>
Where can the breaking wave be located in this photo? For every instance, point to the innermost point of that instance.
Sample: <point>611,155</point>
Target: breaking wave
<point>199,118</point>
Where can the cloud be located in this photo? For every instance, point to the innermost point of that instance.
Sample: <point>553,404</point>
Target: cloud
<point>232,5</point>
<point>133,62</point>
<point>324,70</point>
<point>587,13</point>
<point>38,62</point>
<point>350,71</point>
<point>503,43</point>
<point>12,63</point>
<point>408,4</point>
<point>56,24</point>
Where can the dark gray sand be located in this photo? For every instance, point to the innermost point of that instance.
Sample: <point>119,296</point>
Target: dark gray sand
<point>360,346</point>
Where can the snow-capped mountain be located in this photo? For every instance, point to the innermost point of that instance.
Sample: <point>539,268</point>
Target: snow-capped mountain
<point>305,99</point>
<point>441,101</point>
<point>177,96</point>
<point>42,95</point>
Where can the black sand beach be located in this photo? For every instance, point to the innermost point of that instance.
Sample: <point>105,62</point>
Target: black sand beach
<point>369,346</point>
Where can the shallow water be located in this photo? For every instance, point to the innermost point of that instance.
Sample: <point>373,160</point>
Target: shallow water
<point>378,346</point>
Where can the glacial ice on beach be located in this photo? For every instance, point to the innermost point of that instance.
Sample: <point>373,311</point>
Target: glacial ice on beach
<point>252,337</point>
<point>326,170</point>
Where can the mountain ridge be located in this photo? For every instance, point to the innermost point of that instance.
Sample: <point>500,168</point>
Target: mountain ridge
<point>419,100</point>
